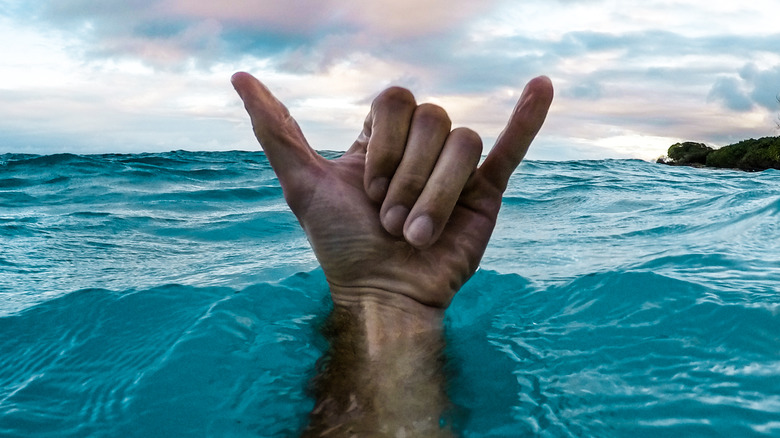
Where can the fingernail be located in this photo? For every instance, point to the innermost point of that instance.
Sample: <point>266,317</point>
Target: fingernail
<point>394,219</point>
<point>377,189</point>
<point>420,231</point>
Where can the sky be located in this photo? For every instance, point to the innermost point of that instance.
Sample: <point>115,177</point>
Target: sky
<point>631,77</point>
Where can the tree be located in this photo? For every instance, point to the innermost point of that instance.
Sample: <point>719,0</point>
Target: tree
<point>778,116</point>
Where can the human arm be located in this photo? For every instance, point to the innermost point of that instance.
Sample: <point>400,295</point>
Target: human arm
<point>398,223</point>
<point>378,377</point>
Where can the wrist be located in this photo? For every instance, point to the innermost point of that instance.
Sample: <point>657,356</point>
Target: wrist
<point>387,319</point>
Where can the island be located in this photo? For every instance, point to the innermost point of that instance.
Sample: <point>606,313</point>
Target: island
<point>750,155</point>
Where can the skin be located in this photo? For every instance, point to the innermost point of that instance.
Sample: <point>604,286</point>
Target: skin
<point>404,217</point>
<point>398,223</point>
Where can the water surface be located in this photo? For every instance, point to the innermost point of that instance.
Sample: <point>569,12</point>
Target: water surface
<point>174,295</point>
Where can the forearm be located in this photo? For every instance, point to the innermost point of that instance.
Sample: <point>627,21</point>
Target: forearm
<point>383,374</point>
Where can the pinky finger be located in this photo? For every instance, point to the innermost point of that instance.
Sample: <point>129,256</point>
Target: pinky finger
<point>524,123</point>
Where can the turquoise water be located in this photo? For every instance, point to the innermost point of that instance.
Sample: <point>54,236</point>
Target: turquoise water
<point>175,295</point>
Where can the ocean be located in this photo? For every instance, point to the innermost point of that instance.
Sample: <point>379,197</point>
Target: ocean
<point>174,294</point>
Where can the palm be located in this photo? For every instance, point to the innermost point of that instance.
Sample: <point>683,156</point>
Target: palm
<point>343,226</point>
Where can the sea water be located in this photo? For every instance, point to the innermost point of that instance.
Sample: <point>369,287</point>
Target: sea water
<point>174,294</point>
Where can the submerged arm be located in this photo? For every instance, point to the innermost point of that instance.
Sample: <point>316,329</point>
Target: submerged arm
<point>383,374</point>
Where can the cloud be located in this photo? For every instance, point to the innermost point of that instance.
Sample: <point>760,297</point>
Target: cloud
<point>397,19</point>
<point>650,71</point>
<point>119,116</point>
<point>764,83</point>
<point>728,90</point>
<point>172,33</point>
<point>440,45</point>
<point>752,87</point>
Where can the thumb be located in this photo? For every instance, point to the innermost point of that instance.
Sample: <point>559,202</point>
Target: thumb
<point>278,133</point>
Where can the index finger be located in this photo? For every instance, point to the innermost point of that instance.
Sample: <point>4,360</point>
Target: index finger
<point>278,133</point>
<point>524,123</point>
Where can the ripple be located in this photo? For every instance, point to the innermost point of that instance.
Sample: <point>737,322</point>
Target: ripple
<point>617,298</point>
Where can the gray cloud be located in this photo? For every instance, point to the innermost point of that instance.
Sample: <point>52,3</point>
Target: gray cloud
<point>765,85</point>
<point>753,86</point>
<point>728,91</point>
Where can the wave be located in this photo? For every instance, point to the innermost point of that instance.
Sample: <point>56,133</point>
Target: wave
<point>617,297</point>
<point>610,354</point>
<point>172,361</point>
<point>523,358</point>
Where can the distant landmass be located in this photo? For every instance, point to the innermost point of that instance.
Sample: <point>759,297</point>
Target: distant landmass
<point>751,155</point>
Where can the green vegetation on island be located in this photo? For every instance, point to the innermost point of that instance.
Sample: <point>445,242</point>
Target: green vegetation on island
<point>750,155</point>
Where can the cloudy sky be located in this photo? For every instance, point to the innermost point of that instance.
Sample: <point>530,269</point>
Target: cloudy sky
<point>631,77</point>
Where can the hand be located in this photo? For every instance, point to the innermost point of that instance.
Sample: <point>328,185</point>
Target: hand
<point>404,216</point>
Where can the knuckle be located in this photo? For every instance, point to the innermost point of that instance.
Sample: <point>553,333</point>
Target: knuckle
<point>411,182</point>
<point>468,139</point>
<point>468,142</point>
<point>395,98</point>
<point>431,114</point>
